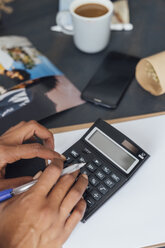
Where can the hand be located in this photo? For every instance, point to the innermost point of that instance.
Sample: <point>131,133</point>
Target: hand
<point>41,217</point>
<point>23,131</point>
<point>13,149</point>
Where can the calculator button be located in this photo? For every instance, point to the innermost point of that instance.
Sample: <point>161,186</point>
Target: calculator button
<point>85,171</point>
<point>69,160</point>
<point>100,174</point>
<point>106,169</point>
<point>102,189</point>
<point>97,162</point>
<point>81,160</point>
<point>91,167</point>
<point>89,188</point>
<point>93,181</point>
<point>74,153</point>
<point>109,182</point>
<point>90,201</point>
<point>86,150</point>
<point>96,195</point>
<point>115,177</point>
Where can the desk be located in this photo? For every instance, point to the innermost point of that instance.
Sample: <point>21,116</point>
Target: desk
<point>33,19</point>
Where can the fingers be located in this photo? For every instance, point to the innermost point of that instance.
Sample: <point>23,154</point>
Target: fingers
<point>25,131</point>
<point>48,178</point>
<point>74,195</point>
<point>13,182</point>
<point>68,224</point>
<point>62,187</point>
<point>33,128</point>
<point>37,175</point>
<point>75,217</point>
<point>10,154</point>
<point>20,124</point>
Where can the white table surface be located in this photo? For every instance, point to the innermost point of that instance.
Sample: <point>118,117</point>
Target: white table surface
<point>135,216</point>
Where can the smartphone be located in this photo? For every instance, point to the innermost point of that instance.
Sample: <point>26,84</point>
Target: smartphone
<point>108,85</point>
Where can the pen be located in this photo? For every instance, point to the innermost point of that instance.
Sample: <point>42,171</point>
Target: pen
<point>9,193</point>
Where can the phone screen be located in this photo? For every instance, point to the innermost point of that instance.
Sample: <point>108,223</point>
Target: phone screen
<point>111,80</point>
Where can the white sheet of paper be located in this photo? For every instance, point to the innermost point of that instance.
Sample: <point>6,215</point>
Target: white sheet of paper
<point>135,216</point>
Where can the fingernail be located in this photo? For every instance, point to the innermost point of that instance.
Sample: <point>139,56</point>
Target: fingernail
<point>63,157</point>
<point>85,176</point>
<point>37,175</point>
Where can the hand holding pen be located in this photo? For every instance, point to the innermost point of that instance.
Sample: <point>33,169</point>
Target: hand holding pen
<point>9,193</point>
<point>46,214</point>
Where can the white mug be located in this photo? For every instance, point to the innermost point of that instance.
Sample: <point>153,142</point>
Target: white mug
<point>90,34</point>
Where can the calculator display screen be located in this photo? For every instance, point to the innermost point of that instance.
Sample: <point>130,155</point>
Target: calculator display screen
<point>117,154</point>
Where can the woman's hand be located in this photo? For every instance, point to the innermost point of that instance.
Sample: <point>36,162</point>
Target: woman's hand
<point>13,149</point>
<point>45,215</point>
<point>23,131</point>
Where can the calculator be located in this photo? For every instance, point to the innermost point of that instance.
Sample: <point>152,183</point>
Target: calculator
<point>111,159</point>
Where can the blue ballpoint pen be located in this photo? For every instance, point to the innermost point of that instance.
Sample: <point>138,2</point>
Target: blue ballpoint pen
<point>9,193</point>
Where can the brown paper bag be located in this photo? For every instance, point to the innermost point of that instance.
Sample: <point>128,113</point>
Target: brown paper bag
<point>150,73</point>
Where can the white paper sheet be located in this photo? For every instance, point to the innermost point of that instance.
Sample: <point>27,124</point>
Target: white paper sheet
<point>135,216</point>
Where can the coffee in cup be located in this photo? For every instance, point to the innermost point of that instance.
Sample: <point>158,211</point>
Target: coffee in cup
<point>91,10</point>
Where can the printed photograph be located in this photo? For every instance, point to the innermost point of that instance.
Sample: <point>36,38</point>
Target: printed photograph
<point>21,61</point>
<point>39,98</point>
<point>31,87</point>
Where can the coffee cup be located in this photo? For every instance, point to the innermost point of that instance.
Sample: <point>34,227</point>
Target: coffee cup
<point>90,24</point>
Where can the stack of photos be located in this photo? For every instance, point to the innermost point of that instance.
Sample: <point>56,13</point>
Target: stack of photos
<point>31,87</point>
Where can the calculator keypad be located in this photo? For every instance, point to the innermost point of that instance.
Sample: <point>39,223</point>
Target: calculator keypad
<point>89,188</point>
<point>69,159</point>
<point>74,153</point>
<point>85,171</point>
<point>93,180</point>
<point>115,177</point>
<point>91,167</point>
<point>109,182</point>
<point>87,151</point>
<point>102,189</point>
<point>97,161</point>
<point>81,160</point>
<point>101,177</point>
<point>106,169</point>
<point>90,201</point>
<point>96,195</point>
<point>100,174</point>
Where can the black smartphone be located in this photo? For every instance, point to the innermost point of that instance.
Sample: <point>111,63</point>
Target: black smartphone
<point>108,85</point>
